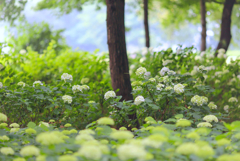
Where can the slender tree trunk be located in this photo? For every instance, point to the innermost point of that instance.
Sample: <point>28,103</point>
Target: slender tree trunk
<point>203,23</point>
<point>226,36</point>
<point>146,26</point>
<point>117,51</point>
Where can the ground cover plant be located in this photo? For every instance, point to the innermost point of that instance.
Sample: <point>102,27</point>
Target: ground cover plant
<point>186,105</point>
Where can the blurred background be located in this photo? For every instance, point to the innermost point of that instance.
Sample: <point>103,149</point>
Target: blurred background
<point>85,28</point>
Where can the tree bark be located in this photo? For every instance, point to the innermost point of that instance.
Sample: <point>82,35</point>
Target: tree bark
<point>226,36</point>
<point>146,26</point>
<point>117,51</point>
<point>203,23</point>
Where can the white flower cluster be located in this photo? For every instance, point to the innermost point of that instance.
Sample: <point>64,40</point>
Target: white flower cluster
<point>210,68</point>
<point>204,124</point>
<point>233,99</point>
<point>166,62</point>
<point>211,105</point>
<point>130,151</point>
<point>168,88</point>
<point>221,53</point>
<point>67,98</point>
<point>160,86</point>
<point>179,88</point>
<point>1,85</point>
<point>138,100</point>
<point>37,83</point>
<point>109,94</point>
<point>141,71</point>
<point>226,107</point>
<point>21,84</point>
<point>210,118</point>
<point>78,88</point>
<point>66,76</point>
<point>199,100</point>
<point>152,79</point>
<point>164,70</point>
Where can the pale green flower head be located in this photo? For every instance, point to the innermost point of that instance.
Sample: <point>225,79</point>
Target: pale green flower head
<point>50,138</point>
<point>179,88</point>
<point>199,100</point>
<point>90,102</point>
<point>187,148</point>
<point>141,71</point>
<point>160,86</point>
<point>7,151</point>
<point>90,152</point>
<point>203,131</point>
<point>205,152</point>
<point>3,124</point>
<point>210,118</point>
<point>129,151</point>
<point>37,83</point>
<point>122,129</point>
<point>66,76</point>
<point>223,142</point>
<point>211,105</point>
<point>138,100</point>
<point>168,88</point>
<point>233,99</point>
<point>52,121</point>
<point>1,85</point>
<point>81,138</point>
<point>21,84</point>
<point>105,121</point>
<point>109,94</point>
<point>67,125</point>
<point>14,130</point>
<point>29,150</point>
<point>30,131</point>
<point>154,140</point>
<point>121,135</point>
<point>4,138</point>
<point>152,80</point>
<point>43,123</point>
<point>204,124</point>
<point>67,99</point>
<point>183,123</point>
<point>41,158</point>
<point>137,83</point>
<point>3,117</point>
<point>67,158</point>
<point>229,157</point>
<point>73,131</point>
<point>226,108</point>
<point>193,135</point>
<point>87,131</point>
<point>19,159</point>
<point>84,80</point>
<point>14,125</point>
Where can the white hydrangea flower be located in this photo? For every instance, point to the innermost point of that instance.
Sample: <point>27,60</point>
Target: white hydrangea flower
<point>164,70</point>
<point>210,118</point>
<point>166,62</point>
<point>37,83</point>
<point>23,51</point>
<point>147,75</point>
<point>130,151</point>
<point>204,124</point>
<point>226,107</point>
<point>141,71</point>
<point>152,80</point>
<point>138,100</point>
<point>21,84</point>
<point>76,88</point>
<point>142,59</point>
<point>168,88</point>
<point>179,88</point>
<point>198,57</point>
<point>84,80</point>
<point>91,152</point>
<point>211,105</point>
<point>199,100</point>
<point>203,53</point>
<point>1,85</point>
<point>221,51</point>
<point>66,76</point>
<point>171,72</point>
<point>109,94</point>
<point>1,66</point>
<point>233,99</point>
<point>67,98</point>
<point>160,87</point>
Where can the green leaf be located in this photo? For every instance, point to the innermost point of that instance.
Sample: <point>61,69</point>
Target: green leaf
<point>178,116</point>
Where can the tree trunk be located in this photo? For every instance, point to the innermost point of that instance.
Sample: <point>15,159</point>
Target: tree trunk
<point>146,26</point>
<point>203,23</point>
<point>117,51</point>
<point>226,36</point>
